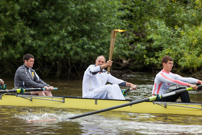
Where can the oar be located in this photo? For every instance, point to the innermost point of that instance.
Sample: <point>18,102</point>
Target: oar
<point>24,90</point>
<point>152,98</point>
<point>112,42</point>
<point>124,92</point>
<point>3,87</point>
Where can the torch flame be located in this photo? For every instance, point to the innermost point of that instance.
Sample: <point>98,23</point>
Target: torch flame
<point>118,30</point>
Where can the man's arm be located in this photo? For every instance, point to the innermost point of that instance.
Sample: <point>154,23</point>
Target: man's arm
<point>106,65</point>
<point>132,86</point>
<point>128,84</point>
<point>95,69</point>
<point>22,73</point>
<point>162,78</point>
<point>187,79</point>
<point>120,82</point>
<point>39,80</point>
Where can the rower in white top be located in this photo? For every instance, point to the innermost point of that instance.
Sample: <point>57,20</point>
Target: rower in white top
<point>95,79</point>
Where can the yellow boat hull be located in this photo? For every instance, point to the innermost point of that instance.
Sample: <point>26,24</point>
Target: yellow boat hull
<point>97,104</point>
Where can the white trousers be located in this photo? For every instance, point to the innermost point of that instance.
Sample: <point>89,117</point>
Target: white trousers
<point>107,92</point>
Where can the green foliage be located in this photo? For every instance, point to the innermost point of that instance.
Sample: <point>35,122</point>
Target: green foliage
<point>169,28</point>
<point>57,32</point>
<point>66,36</point>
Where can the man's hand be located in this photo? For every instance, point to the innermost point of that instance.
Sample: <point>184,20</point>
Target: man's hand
<point>1,82</point>
<point>132,86</point>
<point>200,82</point>
<point>193,86</point>
<point>109,63</point>
<point>50,88</point>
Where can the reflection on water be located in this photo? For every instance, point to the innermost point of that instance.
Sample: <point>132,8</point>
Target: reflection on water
<point>14,119</point>
<point>107,123</point>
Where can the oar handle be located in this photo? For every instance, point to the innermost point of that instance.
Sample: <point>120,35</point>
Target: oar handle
<point>3,87</point>
<point>55,88</point>
<point>37,89</point>
<point>33,89</point>
<point>199,86</point>
<point>124,92</point>
<point>190,88</point>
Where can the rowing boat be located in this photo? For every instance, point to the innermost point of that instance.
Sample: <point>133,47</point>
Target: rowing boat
<point>97,104</point>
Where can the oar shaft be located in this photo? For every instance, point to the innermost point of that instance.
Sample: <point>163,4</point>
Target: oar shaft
<point>38,89</point>
<point>111,108</point>
<point>6,91</point>
<point>25,90</point>
<point>177,92</point>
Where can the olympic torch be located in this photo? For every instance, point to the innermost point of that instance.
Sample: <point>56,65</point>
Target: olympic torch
<point>112,42</point>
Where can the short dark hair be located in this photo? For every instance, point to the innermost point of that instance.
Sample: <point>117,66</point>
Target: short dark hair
<point>165,59</point>
<point>27,57</point>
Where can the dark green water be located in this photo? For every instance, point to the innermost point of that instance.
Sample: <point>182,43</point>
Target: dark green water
<point>13,120</point>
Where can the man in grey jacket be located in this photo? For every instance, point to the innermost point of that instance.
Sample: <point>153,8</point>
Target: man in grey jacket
<point>26,77</point>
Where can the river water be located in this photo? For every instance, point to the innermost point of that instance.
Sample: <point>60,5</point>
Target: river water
<point>14,120</point>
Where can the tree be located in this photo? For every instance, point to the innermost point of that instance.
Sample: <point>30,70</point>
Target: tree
<point>61,34</point>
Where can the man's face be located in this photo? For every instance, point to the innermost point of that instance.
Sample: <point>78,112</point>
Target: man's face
<point>168,66</point>
<point>100,60</point>
<point>29,63</point>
